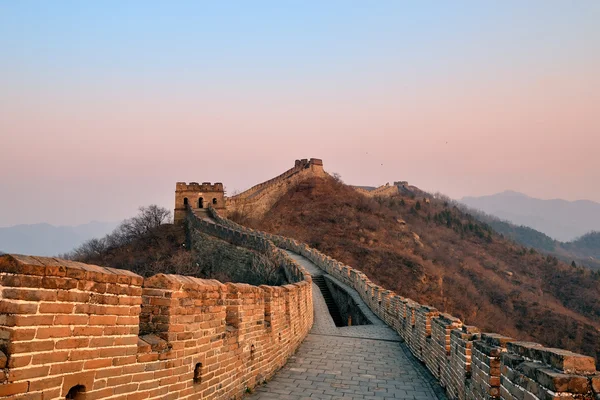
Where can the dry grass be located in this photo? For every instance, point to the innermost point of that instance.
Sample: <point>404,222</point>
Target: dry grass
<point>447,259</point>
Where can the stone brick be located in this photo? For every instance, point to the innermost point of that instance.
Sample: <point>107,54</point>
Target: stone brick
<point>13,388</point>
<point>20,374</point>
<point>14,307</point>
<point>50,358</point>
<point>90,318</point>
<point>56,308</point>
<point>102,320</point>
<point>71,320</point>
<point>29,294</point>
<point>53,332</point>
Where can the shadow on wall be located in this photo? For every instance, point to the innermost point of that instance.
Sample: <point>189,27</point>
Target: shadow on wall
<point>467,363</point>
<point>81,330</point>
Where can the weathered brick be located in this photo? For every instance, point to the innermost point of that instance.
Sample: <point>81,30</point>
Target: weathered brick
<point>69,319</point>
<point>29,320</point>
<point>19,334</point>
<point>98,363</point>
<point>30,346</point>
<point>56,308</point>
<point>14,307</point>
<point>29,294</point>
<point>28,373</point>
<point>59,283</point>
<point>103,320</point>
<point>72,343</point>
<point>53,332</point>
<point>13,388</point>
<point>49,358</point>
<point>17,361</point>
<point>45,384</point>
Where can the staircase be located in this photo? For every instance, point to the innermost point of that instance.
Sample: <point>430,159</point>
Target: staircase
<point>319,280</point>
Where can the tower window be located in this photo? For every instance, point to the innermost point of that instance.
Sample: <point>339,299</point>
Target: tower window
<point>200,202</point>
<point>185,201</point>
<point>214,201</point>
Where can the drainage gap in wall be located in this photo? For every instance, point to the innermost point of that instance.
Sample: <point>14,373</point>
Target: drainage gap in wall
<point>76,392</point>
<point>331,304</point>
<point>198,373</point>
<point>343,308</point>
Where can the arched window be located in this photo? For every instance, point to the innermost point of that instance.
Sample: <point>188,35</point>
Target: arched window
<point>214,201</point>
<point>185,201</point>
<point>200,202</point>
<point>76,392</point>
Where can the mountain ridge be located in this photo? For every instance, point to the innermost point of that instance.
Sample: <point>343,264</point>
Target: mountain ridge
<point>562,220</point>
<point>446,258</point>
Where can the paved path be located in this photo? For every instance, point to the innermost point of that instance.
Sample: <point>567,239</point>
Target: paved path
<point>357,362</point>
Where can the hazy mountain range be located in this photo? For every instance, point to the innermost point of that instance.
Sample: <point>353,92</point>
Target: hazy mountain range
<point>560,219</point>
<point>49,240</point>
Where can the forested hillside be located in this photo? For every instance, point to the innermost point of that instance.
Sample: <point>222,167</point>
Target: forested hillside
<point>583,251</point>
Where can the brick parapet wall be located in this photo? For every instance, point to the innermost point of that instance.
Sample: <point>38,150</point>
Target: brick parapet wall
<point>118,336</point>
<point>380,191</point>
<point>469,364</point>
<point>249,192</point>
<point>258,199</point>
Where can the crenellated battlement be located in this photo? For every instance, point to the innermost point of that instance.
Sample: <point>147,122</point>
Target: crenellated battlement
<point>197,196</point>
<point>197,187</point>
<point>469,364</point>
<point>259,198</point>
<point>69,328</point>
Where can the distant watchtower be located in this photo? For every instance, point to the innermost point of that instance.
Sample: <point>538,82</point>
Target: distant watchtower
<point>198,197</point>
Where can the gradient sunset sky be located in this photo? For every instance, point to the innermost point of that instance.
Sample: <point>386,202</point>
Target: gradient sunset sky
<point>105,105</point>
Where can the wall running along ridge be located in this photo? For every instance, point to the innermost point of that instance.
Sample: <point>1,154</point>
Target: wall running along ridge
<point>469,364</point>
<point>257,200</point>
<point>115,335</point>
<point>380,191</point>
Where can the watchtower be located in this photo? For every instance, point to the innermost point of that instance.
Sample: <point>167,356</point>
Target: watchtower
<point>198,197</point>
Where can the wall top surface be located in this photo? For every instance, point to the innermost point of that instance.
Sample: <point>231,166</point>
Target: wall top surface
<point>49,266</point>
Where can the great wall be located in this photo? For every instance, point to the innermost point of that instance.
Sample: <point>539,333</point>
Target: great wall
<point>77,331</point>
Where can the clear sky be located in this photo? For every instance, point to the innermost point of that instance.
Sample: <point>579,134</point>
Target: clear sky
<point>105,105</point>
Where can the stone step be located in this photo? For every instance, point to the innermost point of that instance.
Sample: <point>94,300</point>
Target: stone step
<point>329,301</point>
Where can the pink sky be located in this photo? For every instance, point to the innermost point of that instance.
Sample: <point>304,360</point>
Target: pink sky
<point>474,118</point>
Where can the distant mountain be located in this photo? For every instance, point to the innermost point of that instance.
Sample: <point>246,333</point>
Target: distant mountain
<point>559,219</point>
<point>522,234</point>
<point>584,251</point>
<point>50,240</point>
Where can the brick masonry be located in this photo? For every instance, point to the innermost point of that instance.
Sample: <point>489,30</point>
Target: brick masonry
<point>67,326</point>
<point>257,200</point>
<point>108,333</point>
<point>468,364</point>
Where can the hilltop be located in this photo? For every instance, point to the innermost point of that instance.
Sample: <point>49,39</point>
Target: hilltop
<point>434,253</point>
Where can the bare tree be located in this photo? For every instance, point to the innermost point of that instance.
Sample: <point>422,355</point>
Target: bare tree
<point>148,219</point>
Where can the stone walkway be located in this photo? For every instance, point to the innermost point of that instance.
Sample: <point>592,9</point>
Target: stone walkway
<point>353,362</point>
